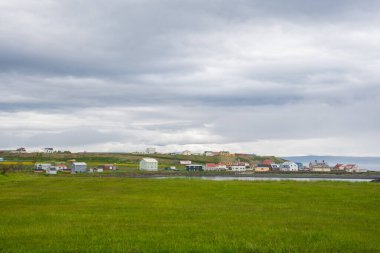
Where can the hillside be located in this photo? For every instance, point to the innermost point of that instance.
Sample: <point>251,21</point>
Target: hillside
<point>125,158</point>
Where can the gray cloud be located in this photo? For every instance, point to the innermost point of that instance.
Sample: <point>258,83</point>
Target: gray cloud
<point>123,75</point>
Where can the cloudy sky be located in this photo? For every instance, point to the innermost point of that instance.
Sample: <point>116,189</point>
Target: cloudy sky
<point>258,76</point>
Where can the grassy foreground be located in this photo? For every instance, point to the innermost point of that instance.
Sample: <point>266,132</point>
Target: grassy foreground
<point>88,214</point>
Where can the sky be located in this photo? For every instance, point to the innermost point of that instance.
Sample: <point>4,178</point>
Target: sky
<point>269,77</point>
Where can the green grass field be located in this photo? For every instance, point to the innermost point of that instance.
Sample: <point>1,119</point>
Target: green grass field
<point>41,213</point>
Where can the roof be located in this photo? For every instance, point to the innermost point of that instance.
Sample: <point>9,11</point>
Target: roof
<point>150,160</point>
<point>289,163</point>
<point>79,163</point>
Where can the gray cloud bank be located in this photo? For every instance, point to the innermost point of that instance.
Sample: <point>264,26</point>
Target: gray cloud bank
<point>271,77</point>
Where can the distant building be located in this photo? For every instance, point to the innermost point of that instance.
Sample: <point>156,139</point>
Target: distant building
<point>238,167</point>
<point>185,162</point>
<point>186,152</point>
<point>339,167</point>
<point>262,168</point>
<point>42,166</point>
<point>215,167</point>
<point>1,159</point>
<point>351,168</point>
<point>319,166</point>
<point>274,167</point>
<point>48,150</point>
<point>149,164</point>
<point>78,167</point>
<point>60,166</point>
<point>226,153</point>
<point>107,167</point>
<point>150,151</point>
<point>194,167</point>
<point>288,166</point>
<point>208,153</point>
<point>93,170</point>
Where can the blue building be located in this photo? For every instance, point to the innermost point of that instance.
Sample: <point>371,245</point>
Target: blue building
<point>194,167</point>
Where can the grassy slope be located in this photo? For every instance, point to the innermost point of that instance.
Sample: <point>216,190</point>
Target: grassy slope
<point>55,214</point>
<point>122,158</point>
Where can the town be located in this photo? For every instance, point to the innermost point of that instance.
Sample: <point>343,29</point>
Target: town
<point>149,160</point>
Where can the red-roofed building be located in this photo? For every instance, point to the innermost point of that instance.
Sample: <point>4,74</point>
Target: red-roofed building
<point>339,167</point>
<point>215,167</point>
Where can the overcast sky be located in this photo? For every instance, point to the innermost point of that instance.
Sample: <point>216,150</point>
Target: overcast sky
<point>271,77</point>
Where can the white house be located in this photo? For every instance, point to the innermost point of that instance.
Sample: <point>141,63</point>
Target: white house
<point>93,170</point>
<point>60,166</point>
<point>215,167</point>
<point>149,164</point>
<point>78,167</point>
<point>208,153</point>
<point>289,166</point>
<point>238,167</point>
<point>184,162</point>
<point>42,166</point>
<point>1,159</point>
<point>186,152</point>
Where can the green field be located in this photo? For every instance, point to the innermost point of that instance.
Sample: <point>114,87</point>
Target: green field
<point>41,213</point>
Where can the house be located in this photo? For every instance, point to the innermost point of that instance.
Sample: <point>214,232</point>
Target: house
<point>215,167</point>
<point>78,167</point>
<point>225,153</point>
<point>274,167</point>
<point>149,164</point>
<point>1,159</point>
<point>99,169</point>
<point>42,166</point>
<point>60,166</point>
<point>186,152</point>
<point>262,168</point>
<point>353,168</point>
<point>194,167</point>
<point>107,167</point>
<point>185,162</point>
<point>208,153</point>
<point>339,167</point>
<point>238,167</point>
<point>319,166</point>
<point>288,166</point>
<point>48,150</point>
